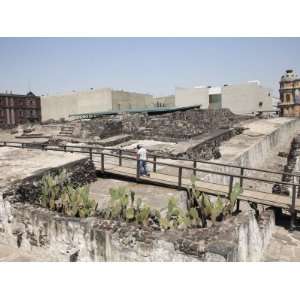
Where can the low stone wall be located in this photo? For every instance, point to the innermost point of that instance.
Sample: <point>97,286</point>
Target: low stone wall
<point>253,146</point>
<point>80,172</point>
<point>208,147</point>
<point>60,238</point>
<point>292,166</point>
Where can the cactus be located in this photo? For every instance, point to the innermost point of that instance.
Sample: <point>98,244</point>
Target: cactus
<point>77,202</point>
<point>130,214</point>
<point>207,209</point>
<point>216,210</point>
<point>194,216</point>
<point>143,215</point>
<point>173,210</point>
<point>51,187</point>
<point>164,224</point>
<point>49,192</point>
<point>236,191</point>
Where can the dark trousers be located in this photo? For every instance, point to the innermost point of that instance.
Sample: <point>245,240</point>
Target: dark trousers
<point>143,167</point>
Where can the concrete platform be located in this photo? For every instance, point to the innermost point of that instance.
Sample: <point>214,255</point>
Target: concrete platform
<point>16,164</point>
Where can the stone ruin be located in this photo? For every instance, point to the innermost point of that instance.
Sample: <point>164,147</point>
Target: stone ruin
<point>174,126</point>
<point>292,166</point>
<point>197,132</point>
<point>26,225</point>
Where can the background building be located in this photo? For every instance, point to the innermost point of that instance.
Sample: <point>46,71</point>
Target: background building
<point>99,100</point>
<point>166,101</point>
<point>246,98</point>
<point>289,94</point>
<point>191,96</point>
<point>19,109</point>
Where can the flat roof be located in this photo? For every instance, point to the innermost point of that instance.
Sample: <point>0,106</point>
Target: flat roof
<point>90,115</point>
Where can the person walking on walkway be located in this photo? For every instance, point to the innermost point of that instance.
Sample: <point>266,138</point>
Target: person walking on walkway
<point>142,157</point>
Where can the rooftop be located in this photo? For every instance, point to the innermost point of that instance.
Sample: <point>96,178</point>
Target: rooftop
<point>289,75</point>
<point>29,94</point>
<point>154,110</point>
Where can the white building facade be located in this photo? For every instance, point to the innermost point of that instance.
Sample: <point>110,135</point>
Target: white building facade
<point>99,100</point>
<point>247,98</point>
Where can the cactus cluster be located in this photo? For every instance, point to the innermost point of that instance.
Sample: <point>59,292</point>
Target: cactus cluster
<point>217,210</point>
<point>57,194</point>
<point>123,206</point>
<point>51,188</point>
<point>176,218</point>
<point>77,202</point>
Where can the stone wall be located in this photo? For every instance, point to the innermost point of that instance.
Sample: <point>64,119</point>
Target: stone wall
<point>80,172</point>
<point>253,146</point>
<point>208,147</point>
<point>40,231</point>
<point>179,125</point>
<point>292,166</point>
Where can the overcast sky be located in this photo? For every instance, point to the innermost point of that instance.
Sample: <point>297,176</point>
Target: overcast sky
<point>151,65</point>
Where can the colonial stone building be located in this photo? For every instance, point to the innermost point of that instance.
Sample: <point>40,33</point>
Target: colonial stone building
<point>289,94</point>
<point>19,109</point>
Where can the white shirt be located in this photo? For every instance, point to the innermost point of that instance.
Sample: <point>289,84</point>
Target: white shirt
<point>142,154</point>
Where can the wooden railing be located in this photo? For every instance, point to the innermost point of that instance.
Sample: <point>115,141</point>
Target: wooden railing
<point>120,155</point>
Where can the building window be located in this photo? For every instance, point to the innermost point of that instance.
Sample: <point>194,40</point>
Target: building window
<point>288,98</point>
<point>260,104</point>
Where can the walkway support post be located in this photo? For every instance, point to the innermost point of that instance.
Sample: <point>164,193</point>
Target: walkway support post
<point>241,178</point>
<point>102,162</point>
<point>241,186</point>
<point>91,153</point>
<point>293,210</point>
<point>120,157</point>
<point>180,177</point>
<point>137,169</point>
<point>154,163</point>
<point>230,185</point>
<point>194,166</point>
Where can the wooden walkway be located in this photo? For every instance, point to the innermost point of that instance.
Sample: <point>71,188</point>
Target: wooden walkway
<point>263,198</point>
<point>110,161</point>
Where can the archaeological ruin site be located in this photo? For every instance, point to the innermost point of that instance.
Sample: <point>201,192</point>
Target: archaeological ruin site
<point>221,187</point>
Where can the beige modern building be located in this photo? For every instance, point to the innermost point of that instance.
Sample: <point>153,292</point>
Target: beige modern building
<point>166,101</point>
<point>289,94</point>
<point>247,98</point>
<point>96,100</point>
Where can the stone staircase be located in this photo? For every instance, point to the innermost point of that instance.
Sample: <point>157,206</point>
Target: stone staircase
<point>66,130</point>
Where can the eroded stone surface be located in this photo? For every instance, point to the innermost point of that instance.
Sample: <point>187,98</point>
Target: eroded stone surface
<point>284,245</point>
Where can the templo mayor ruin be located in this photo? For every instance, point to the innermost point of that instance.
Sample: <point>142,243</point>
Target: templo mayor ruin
<point>210,173</point>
